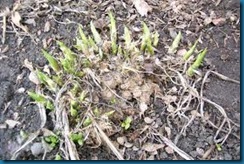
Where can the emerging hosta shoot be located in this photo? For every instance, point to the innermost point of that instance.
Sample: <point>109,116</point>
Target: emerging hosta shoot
<point>190,51</point>
<point>172,49</point>
<point>113,33</point>
<point>197,63</point>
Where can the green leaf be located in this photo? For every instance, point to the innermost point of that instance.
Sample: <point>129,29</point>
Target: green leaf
<point>23,134</point>
<point>82,96</point>
<point>87,121</point>
<point>155,39</point>
<point>197,63</point>
<point>219,147</point>
<point>145,37</point>
<point>190,51</point>
<point>58,157</point>
<point>113,33</point>
<point>172,49</point>
<point>37,97</point>
<point>47,81</point>
<point>52,61</point>
<point>49,105</point>
<point>96,35</point>
<point>68,54</point>
<point>77,138</point>
<point>109,113</point>
<point>126,123</point>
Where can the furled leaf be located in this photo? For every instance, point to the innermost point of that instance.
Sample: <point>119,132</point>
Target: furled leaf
<point>113,33</point>
<point>96,35</point>
<point>172,49</point>
<point>190,51</point>
<point>52,61</point>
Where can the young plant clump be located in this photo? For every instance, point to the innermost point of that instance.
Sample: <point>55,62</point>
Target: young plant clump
<point>89,87</point>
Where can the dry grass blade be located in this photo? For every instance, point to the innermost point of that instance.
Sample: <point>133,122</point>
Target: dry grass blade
<point>34,135</point>
<point>30,139</point>
<point>175,148</point>
<point>108,142</point>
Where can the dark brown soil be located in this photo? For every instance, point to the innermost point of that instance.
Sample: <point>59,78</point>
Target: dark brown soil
<point>223,42</point>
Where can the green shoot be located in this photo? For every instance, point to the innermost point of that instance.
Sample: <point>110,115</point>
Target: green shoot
<point>96,35</point>
<point>83,36</point>
<point>190,51</point>
<point>87,122</point>
<point>49,105</point>
<point>175,44</point>
<point>127,38</point>
<point>68,54</point>
<point>58,157</point>
<point>23,134</point>
<point>46,80</point>
<point>82,96</point>
<point>73,108</point>
<point>37,97</point>
<point>219,147</point>
<point>109,113</point>
<point>146,40</point>
<point>197,63</point>
<point>92,44</point>
<point>77,138</point>
<point>52,140</point>
<point>68,65</point>
<point>126,123</point>
<point>52,61</point>
<point>155,38</point>
<point>113,33</point>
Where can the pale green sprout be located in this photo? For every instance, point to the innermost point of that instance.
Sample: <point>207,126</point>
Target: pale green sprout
<point>128,44</point>
<point>197,63</point>
<point>155,38</point>
<point>52,61</point>
<point>96,112</point>
<point>58,157</point>
<point>92,44</point>
<point>96,35</point>
<point>68,54</point>
<point>77,138</point>
<point>126,123</point>
<point>109,113</point>
<point>47,81</point>
<point>146,40</point>
<point>97,39</point>
<point>82,96</point>
<point>87,121</point>
<point>83,43</point>
<point>190,51</point>
<point>41,99</point>
<point>175,44</point>
<point>113,33</point>
<point>219,147</point>
<point>68,65</point>
<point>52,140</point>
<point>23,134</point>
<point>73,108</point>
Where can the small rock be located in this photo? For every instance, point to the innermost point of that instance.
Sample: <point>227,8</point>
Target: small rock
<point>148,120</point>
<point>121,140</point>
<point>37,149</point>
<point>47,26</point>
<point>200,151</point>
<point>169,150</point>
<point>227,156</point>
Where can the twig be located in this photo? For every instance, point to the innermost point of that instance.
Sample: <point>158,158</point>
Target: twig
<point>108,142</point>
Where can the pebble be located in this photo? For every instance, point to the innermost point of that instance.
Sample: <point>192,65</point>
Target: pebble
<point>37,149</point>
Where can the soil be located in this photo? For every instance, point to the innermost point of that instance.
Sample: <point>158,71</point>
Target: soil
<point>222,40</point>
